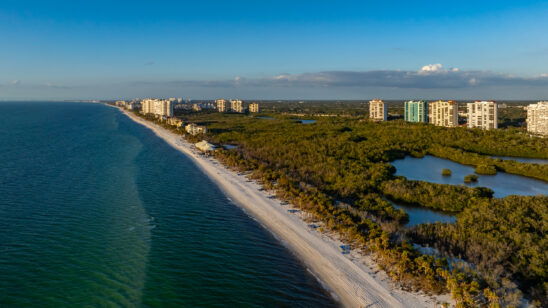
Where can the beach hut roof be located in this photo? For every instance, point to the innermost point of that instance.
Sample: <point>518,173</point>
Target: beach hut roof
<point>205,146</point>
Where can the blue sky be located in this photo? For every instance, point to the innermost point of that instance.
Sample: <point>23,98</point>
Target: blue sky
<point>274,49</point>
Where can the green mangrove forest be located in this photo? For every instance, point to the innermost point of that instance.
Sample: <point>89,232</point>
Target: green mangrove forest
<point>496,252</point>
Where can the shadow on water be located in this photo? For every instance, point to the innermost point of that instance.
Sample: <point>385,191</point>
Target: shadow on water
<point>523,159</point>
<point>98,211</point>
<point>304,121</point>
<point>72,220</point>
<point>421,215</point>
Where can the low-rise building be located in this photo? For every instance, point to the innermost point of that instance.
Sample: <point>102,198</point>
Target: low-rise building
<point>236,105</point>
<point>194,129</point>
<point>175,122</point>
<point>254,107</point>
<point>378,110</point>
<point>443,113</point>
<point>416,111</point>
<point>158,107</point>
<point>537,118</point>
<point>482,114</point>
<point>132,105</point>
<point>205,146</point>
<point>196,107</point>
<point>221,105</point>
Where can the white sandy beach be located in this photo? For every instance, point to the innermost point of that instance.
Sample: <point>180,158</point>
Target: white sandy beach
<point>353,278</point>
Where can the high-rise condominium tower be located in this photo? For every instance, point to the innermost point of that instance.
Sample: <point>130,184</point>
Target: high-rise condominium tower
<point>537,118</point>
<point>482,114</point>
<point>443,113</point>
<point>416,111</point>
<point>378,110</point>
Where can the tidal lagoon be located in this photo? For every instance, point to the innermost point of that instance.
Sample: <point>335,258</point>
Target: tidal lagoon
<point>429,169</point>
<point>503,184</point>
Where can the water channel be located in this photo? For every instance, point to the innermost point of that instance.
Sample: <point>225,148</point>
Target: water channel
<point>429,169</point>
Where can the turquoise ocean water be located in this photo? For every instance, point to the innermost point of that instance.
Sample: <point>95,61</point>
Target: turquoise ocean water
<point>96,211</point>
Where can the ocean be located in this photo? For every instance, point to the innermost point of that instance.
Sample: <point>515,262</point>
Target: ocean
<point>95,210</point>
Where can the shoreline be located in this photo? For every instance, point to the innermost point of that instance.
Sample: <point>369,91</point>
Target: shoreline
<point>353,279</point>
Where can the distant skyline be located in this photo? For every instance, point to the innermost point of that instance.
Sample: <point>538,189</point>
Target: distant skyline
<point>274,49</point>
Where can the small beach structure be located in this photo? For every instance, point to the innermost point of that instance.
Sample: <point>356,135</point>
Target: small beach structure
<point>205,146</point>
<point>345,249</point>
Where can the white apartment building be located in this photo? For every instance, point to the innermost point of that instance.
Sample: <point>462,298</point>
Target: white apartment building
<point>378,110</point>
<point>132,105</point>
<point>236,105</point>
<point>482,114</point>
<point>443,113</point>
<point>194,129</point>
<point>157,106</point>
<point>254,107</point>
<point>221,105</point>
<point>537,118</point>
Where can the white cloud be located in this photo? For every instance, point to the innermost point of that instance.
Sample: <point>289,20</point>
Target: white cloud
<point>436,68</point>
<point>15,82</point>
<point>431,68</point>
<point>282,76</point>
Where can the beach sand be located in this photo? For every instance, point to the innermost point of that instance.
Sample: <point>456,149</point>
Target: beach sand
<point>353,279</point>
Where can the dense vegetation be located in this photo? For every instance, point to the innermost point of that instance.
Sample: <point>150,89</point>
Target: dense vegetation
<point>512,116</point>
<point>486,169</point>
<point>339,170</point>
<point>469,178</point>
<point>467,155</point>
<point>505,238</point>
<point>443,197</point>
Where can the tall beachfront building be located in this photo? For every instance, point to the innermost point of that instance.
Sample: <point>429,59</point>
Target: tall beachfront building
<point>378,110</point>
<point>443,113</point>
<point>236,105</point>
<point>482,114</point>
<point>416,111</point>
<point>159,107</point>
<point>537,118</point>
<point>254,107</point>
<point>221,105</point>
